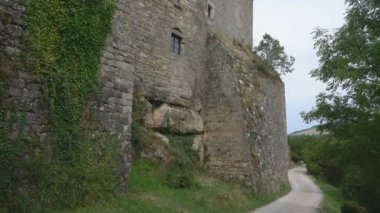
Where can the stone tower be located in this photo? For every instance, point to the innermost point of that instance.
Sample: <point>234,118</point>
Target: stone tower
<point>232,19</point>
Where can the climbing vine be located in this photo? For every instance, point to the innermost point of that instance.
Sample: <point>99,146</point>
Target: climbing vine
<point>65,40</point>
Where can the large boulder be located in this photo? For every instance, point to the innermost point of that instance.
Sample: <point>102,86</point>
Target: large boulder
<point>176,120</point>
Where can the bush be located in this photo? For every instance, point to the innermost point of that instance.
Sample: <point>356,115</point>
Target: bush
<point>352,207</point>
<point>35,180</point>
<point>322,160</point>
<point>314,169</point>
<point>181,170</point>
<point>363,188</point>
<point>180,175</point>
<point>299,144</point>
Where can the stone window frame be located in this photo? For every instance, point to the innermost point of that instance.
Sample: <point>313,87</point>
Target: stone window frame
<point>176,42</point>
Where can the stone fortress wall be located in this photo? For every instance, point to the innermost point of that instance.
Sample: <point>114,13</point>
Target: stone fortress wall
<point>211,90</point>
<point>23,90</point>
<point>232,19</point>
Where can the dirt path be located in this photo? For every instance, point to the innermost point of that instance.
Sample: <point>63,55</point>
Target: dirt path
<point>305,196</point>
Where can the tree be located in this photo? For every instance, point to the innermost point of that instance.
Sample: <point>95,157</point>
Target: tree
<point>274,56</point>
<point>350,108</point>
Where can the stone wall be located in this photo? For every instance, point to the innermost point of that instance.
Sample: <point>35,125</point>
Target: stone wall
<point>212,90</point>
<point>233,19</point>
<point>263,99</point>
<point>22,89</point>
<point>245,121</point>
<point>198,92</point>
<point>225,137</point>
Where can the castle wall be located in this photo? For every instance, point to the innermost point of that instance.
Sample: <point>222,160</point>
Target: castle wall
<point>245,121</point>
<point>138,63</point>
<point>225,137</point>
<point>211,90</point>
<point>159,73</point>
<point>22,90</point>
<point>233,19</point>
<point>263,98</point>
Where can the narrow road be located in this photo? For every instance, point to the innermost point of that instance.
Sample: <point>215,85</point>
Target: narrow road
<point>305,196</point>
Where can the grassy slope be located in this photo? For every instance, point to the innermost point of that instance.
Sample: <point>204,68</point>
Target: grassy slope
<point>333,197</point>
<point>148,193</point>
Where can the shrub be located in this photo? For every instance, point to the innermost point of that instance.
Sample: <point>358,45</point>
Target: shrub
<point>181,170</point>
<point>180,175</point>
<point>314,169</point>
<point>299,145</point>
<point>273,55</point>
<point>352,207</point>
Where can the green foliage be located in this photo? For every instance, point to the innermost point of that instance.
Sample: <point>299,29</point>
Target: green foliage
<point>180,175</point>
<point>150,193</point>
<point>274,56</point>
<point>332,197</point>
<point>182,145</point>
<point>322,160</point>
<point>319,154</point>
<point>299,144</point>
<point>91,179</point>
<point>28,170</point>
<point>10,156</point>
<point>350,108</point>
<point>66,39</point>
<point>70,169</point>
<point>181,171</point>
<point>352,207</point>
<point>138,133</point>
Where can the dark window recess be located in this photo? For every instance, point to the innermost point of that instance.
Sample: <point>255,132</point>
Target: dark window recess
<point>155,103</point>
<point>176,44</point>
<point>209,11</point>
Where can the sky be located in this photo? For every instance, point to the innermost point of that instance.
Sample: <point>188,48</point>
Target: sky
<point>291,22</point>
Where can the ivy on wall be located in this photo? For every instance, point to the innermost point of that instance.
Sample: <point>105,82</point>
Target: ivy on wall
<point>65,39</point>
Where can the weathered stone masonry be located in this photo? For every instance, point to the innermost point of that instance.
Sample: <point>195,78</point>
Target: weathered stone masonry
<point>212,90</point>
<point>23,90</point>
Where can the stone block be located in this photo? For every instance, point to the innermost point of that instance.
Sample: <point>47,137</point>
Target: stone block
<point>173,119</point>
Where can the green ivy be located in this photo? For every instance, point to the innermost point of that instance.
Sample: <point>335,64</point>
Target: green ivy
<point>181,170</point>
<point>66,38</point>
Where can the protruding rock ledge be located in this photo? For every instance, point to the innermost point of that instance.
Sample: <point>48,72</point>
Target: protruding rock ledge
<point>176,120</point>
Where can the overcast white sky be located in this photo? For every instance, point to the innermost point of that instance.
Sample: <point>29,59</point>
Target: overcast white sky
<point>291,22</point>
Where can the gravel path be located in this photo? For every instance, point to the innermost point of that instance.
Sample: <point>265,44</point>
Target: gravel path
<point>305,196</point>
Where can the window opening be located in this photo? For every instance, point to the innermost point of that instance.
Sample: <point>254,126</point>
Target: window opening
<point>176,44</point>
<point>210,11</point>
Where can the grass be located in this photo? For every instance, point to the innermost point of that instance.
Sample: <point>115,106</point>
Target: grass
<point>148,193</point>
<point>333,197</point>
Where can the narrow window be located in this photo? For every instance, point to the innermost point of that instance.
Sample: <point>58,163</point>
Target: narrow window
<point>209,11</point>
<point>176,44</point>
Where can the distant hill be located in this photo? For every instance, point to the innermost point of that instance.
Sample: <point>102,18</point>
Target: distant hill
<point>310,131</point>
